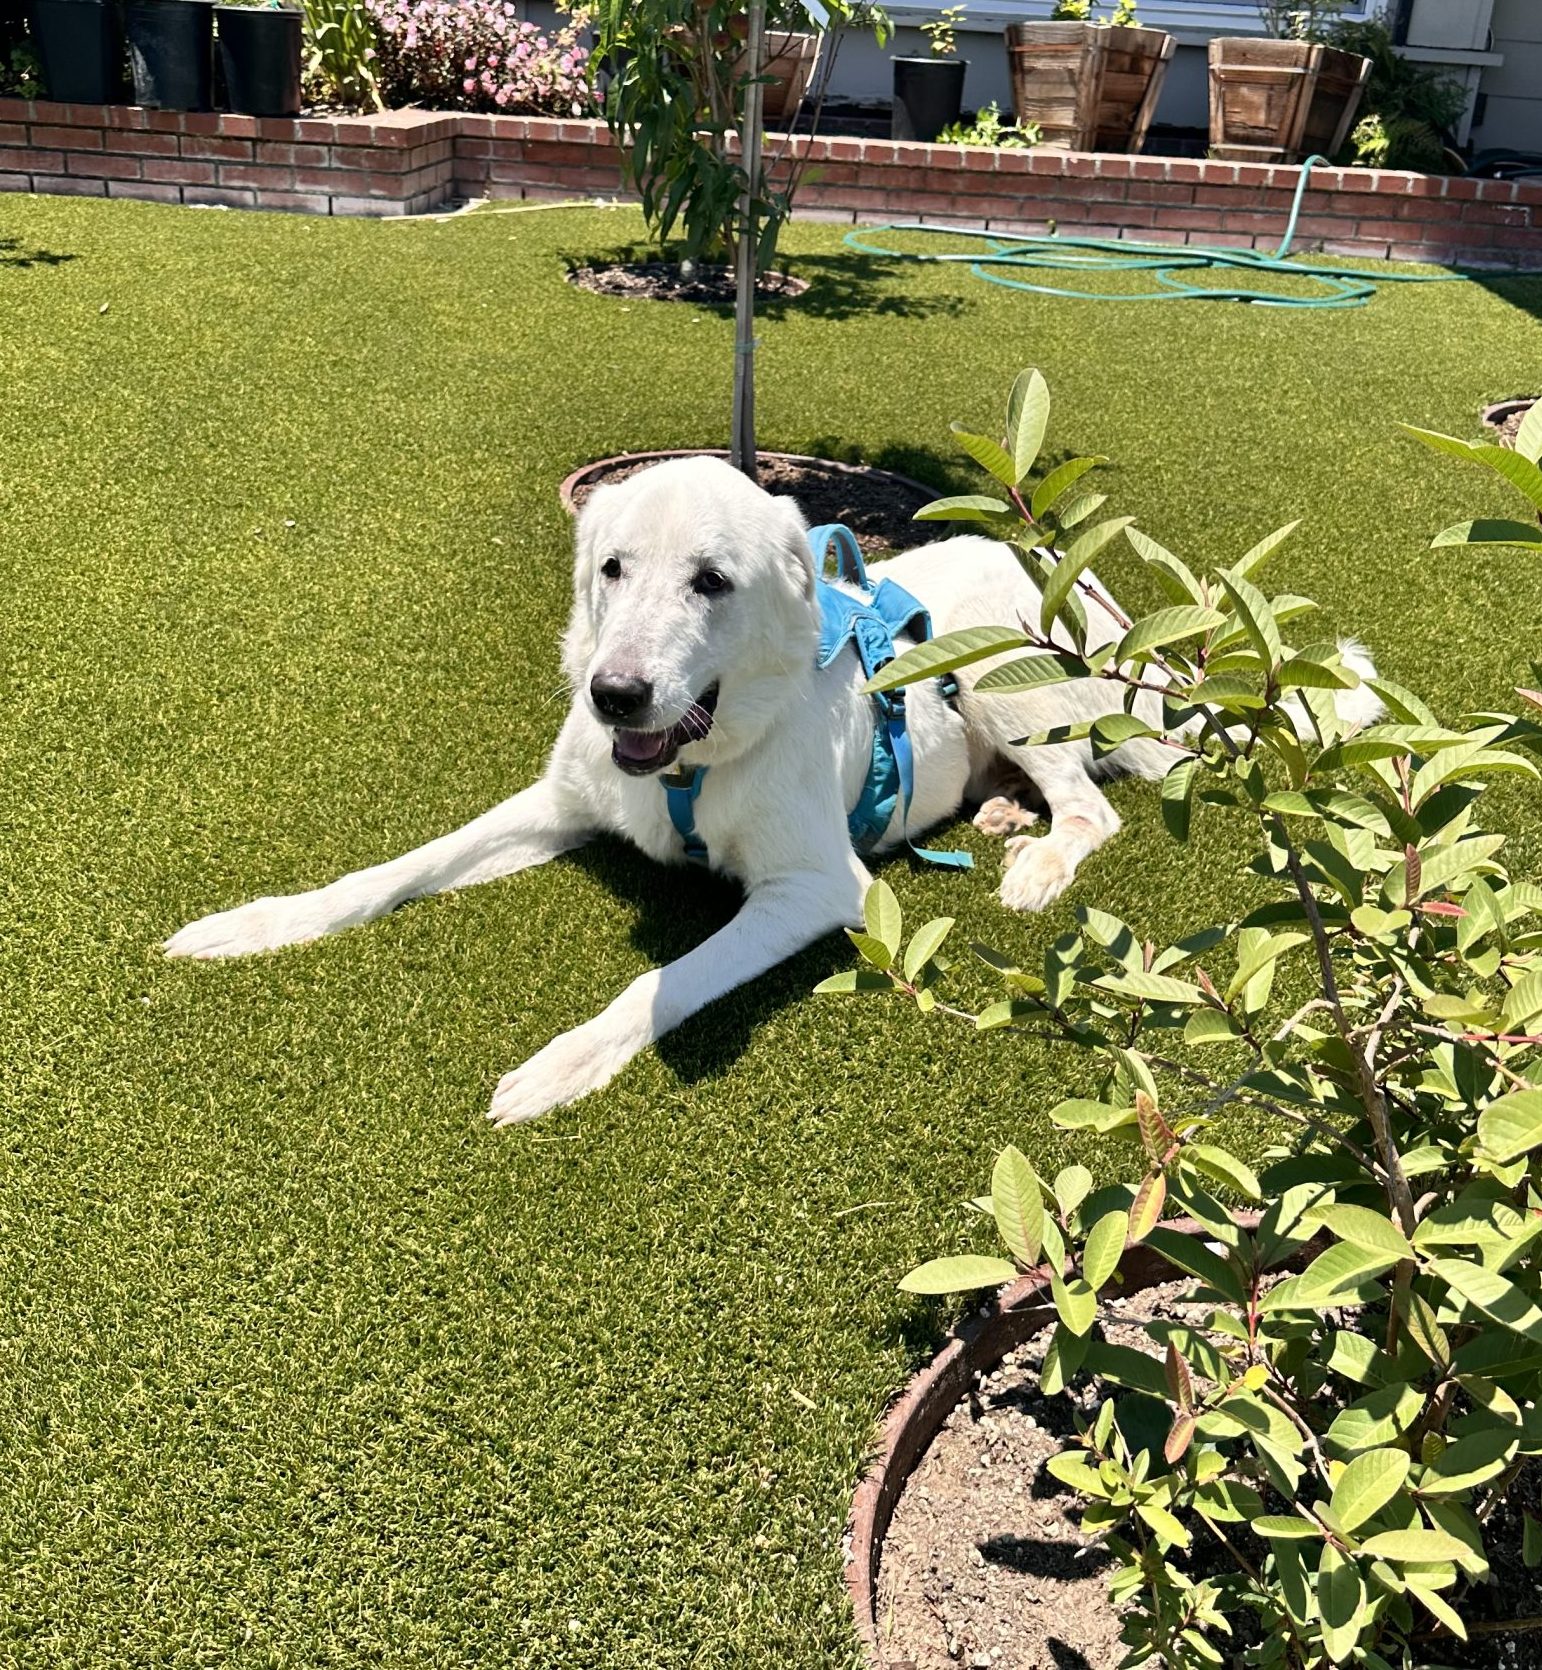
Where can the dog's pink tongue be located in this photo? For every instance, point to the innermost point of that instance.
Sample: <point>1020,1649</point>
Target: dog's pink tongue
<point>641,746</point>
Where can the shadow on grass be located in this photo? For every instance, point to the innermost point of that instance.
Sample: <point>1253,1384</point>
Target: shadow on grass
<point>678,909</point>
<point>13,255</point>
<point>844,286</point>
<point>1522,290</point>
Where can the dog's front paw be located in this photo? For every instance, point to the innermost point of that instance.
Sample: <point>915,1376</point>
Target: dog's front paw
<point>569,1067</point>
<point>1001,815</point>
<point>263,925</point>
<point>1038,872</point>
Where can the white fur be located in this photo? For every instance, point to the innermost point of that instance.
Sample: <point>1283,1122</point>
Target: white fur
<point>788,752</point>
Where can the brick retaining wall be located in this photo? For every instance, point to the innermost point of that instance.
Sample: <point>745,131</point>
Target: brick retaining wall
<point>406,161</point>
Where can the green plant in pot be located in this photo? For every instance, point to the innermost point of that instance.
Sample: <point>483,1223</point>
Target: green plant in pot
<point>929,91</point>
<point>171,52</point>
<point>1320,1460</point>
<point>340,53</point>
<point>260,47</point>
<point>80,45</point>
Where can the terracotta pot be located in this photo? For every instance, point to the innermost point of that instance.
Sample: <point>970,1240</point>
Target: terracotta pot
<point>982,1340</point>
<point>566,490</point>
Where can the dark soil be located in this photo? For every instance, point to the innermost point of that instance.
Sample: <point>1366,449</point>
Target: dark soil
<point>663,281</point>
<point>874,504</point>
<point>984,1567</point>
<point>1507,430</point>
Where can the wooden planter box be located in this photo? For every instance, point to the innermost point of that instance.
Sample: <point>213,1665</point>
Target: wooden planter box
<point>1278,101</point>
<point>789,61</point>
<point>1088,88</point>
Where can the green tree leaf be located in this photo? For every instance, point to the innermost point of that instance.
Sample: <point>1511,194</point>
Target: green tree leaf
<point>855,980</point>
<point>1367,1484</point>
<point>1166,626</point>
<point>1413,1547</point>
<point>989,455</point>
<point>1340,1603</point>
<point>1256,617</point>
<point>963,507</point>
<point>1361,1227</point>
<point>958,1275</point>
<point>1512,1126</point>
<point>1500,1300</point>
<point>881,913</point>
<point>1018,1205</point>
<point>1104,1247</point>
<point>1027,419</point>
<point>872,950</point>
<point>1029,672</point>
<point>1058,481</point>
<point>1067,570</point>
<point>925,943</point>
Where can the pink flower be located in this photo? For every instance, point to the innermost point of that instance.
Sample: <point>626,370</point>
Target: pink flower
<point>468,85</point>
<point>501,96</point>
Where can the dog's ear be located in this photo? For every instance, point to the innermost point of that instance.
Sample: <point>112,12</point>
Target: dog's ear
<point>794,533</point>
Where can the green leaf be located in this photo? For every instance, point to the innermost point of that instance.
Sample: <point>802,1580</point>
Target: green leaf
<point>1066,571</point>
<point>1367,1484</point>
<point>1150,988</point>
<point>1266,949</point>
<point>964,507</point>
<point>1146,1213</point>
<point>1062,1359</point>
<point>1075,1301</point>
<point>1018,1205</point>
<point>1222,1167</point>
<point>1512,1126</point>
<point>925,944</point>
<point>1490,1293</point>
<point>1522,472</point>
<point>1362,1227</point>
<point>1071,1187</point>
<point>1177,798</point>
<point>1170,1531</point>
<point>1104,1246</point>
<point>855,980</point>
<point>1332,1277</point>
<point>1286,1527</point>
<point>1340,1603</point>
<point>1210,1026</point>
<point>1075,1470</point>
<point>872,950</point>
<point>1080,1114</point>
<point>1374,1421</point>
<point>1027,419</point>
<point>1470,1461</point>
<point>943,655</point>
<point>1413,1547</point>
<point>881,913</point>
<point>1171,574</point>
<point>958,1275</point>
<point>1299,672</point>
<point>1166,626</point>
<point>1029,671</point>
<point>1439,1608</point>
<point>1190,1254</point>
<point>989,455</point>
<point>1489,530</point>
<point>1058,481</point>
<point>1528,438</point>
<point>1265,548</point>
<point>1257,621</point>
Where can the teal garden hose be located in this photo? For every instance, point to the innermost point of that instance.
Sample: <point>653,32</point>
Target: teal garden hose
<point>1007,253</point>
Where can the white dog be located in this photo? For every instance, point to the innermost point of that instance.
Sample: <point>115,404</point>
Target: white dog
<point>692,642</point>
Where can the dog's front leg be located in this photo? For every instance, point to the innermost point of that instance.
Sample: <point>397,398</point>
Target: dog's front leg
<point>528,828</point>
<point>779,917</point>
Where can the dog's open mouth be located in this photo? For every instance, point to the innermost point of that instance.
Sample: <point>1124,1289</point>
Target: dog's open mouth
<point>644,752</point>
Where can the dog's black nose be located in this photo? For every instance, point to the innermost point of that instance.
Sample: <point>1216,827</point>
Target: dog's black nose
<point>619,697</point>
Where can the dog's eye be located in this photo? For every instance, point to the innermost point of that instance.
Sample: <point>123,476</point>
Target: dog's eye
<point>611,568</point>
<point>710,583</point>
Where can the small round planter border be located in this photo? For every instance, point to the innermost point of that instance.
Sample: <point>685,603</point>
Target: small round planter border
<point>834,465</point>
<point>980,1342</point>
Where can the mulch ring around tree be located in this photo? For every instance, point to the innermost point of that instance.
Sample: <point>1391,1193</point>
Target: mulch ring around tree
<point>669,281</point>
<point>984,1565</point>
<point>877,505</point>
<point>1507,416</point>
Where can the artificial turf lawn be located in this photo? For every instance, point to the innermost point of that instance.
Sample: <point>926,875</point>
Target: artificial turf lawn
<point>302,1365</point>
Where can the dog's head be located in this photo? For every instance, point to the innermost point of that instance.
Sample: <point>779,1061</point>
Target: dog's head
<point>693,612</point>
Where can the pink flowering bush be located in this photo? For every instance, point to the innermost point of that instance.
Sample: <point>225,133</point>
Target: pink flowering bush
<point>476,55</point>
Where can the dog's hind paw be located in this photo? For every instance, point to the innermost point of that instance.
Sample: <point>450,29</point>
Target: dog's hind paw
<point>569,1067</point>
<point>1001,815</point>
<point>263,925</point>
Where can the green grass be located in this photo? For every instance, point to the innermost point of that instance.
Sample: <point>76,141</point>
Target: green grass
<point>303,1365</point>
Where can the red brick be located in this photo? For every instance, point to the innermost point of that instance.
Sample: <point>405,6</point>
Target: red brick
<point>1148,168</point>
<point>219,197</point>
<point>13,133</point>
<point>208,149</point>
<point>1159,191</point>
<point>1382,231</point>
<point>1510,237</point>
<point>182,171</point>
<point>46,110</point>
<point>1356,247</point>
<point>202,122</point>
<point>1318,226</point>
<point>15,110</point>
<point>1495,191</point>
<point>350,181</point>
<point>1163,235</point>
<point>1496,214</point>
<point>1467,190</point>
<point>1436,254</point>
<point>15,182</point>
<point>1251,221</point>
<point>288,156</point>
<point>1427,185</point>
<point>1188,219</point>
<point>369,206</point>
<point>147,190</point>
<point>67,139</point>
<point>1425,208</point>
<point>1228,197</point>
<point>844,150</point>
<point>28,160</point>
<point>277,130</point>
<point>133,143</point>
<point>253,174</point>
<point>315,132</point>
<point>102,167</point>
<point>69,185</point>
<point>1180,168</point>
<point>1254,173</point>
<point>126,117</point>
<point>295,202</point>
<point>1115,167</point>
<point>376,159</point>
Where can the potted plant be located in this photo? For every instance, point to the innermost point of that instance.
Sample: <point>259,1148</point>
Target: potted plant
<point>929,91</point>
<point>81,45</point>
<point>260,45</point>
<point>1289,95</point>
<point>789,62</point>
<point>1088,86</point>
<point>171,52</point>
<point>1316,1468</point>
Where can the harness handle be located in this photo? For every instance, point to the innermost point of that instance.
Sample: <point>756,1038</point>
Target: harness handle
<point>848,554</point>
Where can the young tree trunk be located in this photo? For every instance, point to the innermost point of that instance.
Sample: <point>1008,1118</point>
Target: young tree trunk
<point>742,446</point>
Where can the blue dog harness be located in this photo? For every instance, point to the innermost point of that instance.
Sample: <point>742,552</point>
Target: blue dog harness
<point>870,623</point>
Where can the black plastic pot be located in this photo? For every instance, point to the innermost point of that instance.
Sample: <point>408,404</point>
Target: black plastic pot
<point>171,53</point>
<point>260,52</point>
<point>81,46</point>
<point>928,96</point>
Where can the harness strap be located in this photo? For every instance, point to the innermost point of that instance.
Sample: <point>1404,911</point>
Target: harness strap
<point>680,791</point>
